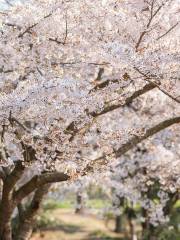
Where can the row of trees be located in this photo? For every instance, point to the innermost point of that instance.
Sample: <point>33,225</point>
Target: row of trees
<point>68,71</point>
<point>143,187</point>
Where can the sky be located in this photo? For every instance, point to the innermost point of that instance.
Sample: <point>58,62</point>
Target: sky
<point>5,4</point>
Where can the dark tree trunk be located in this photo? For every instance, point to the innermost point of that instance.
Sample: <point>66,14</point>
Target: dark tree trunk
<point>131,216</point>
<point>7,205</point>
<point>118,224</point>
<point>148,230</point>
<point>6,233</point>
<point>145,223</point>
<point>133,235</point>
<point>27,217</point>
<point>80,204</point>
<point>5,219</point>
<point>118,219</point>
<point>12,198</point>
<point>5,228</point>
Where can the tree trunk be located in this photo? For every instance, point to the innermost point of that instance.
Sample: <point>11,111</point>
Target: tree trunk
<point>6,210</point>
<point>132,230</point>
<point>118,224</point>
<point>11,198</point>
<point>27,218</point>
<point>7,205</point>
<point>145,223</point>
<point>148,230</point>
<point>80,203</point>
<point>6,233</point>
<point>25,232</point>
<point>131,221</point>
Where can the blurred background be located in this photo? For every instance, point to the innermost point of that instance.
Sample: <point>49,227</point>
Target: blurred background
<point>88,211</point>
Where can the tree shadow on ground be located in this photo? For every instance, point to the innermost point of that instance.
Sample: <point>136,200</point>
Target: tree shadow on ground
<point>67,228</point>
<point>98,235</point>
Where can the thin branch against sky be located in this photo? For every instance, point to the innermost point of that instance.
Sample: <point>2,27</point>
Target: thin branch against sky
<point>6,4</point>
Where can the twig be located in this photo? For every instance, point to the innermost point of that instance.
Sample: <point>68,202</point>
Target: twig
<point>65,37</point>
<point>167,31</point>
<point>9,3</point>
<point>3,13</point>
<point>66,31</point>
<point>3,132</point>
<point>152,15</point>
<point>56,41</point>
<point>12,25</point>
<point>147,78</point>
<point>99,64</point>
<point>39,71</point>
<point>13,119</point>
<point>28,30</point>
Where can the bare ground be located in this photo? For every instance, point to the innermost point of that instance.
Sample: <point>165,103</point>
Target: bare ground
<point>73,226</point>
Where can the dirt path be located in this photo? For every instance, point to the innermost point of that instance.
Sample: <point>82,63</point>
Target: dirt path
<point>76,227</point>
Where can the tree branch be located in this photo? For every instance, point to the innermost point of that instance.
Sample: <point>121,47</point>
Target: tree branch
<point>65,36</point>
<point>15,175</point>
<point>132,142</point>
<point>127,101</point>
<point>71,128</point>
<point>152,15</point>
<point>38,181</point>
<point>167,31</point>
<point>28,29</point>
<point>147,78</point>
<point>149,132</point>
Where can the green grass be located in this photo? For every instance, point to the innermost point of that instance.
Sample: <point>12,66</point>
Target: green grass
<point>97,203</point>
<point>99,235</point>
<point>69,204</point>
<point>45,219</point>
<point>177,205</point>
<point>90,203</point>
<point>52,204</point>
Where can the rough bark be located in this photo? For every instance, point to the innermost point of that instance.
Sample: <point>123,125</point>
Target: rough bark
<point>11,199</point>
<point>27,217</point>
<point>7,203</point>
<point>38,181</point>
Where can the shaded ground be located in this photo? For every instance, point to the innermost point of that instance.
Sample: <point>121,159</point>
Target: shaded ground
<point>70,226</point>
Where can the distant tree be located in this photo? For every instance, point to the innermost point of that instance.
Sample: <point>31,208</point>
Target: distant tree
<point>63,66</point>
<point>150,181</point>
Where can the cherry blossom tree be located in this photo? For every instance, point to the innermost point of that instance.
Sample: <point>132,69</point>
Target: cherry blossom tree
<point>68,69</point>
<point>150,179</point>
